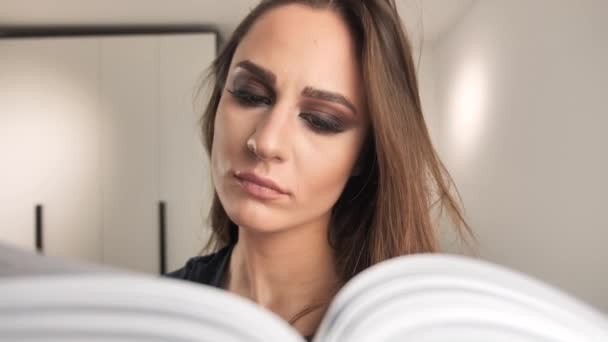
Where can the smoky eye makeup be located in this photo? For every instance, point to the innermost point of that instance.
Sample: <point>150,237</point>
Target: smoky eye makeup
<point>318,122</point>
<point>244,80</point>
<point>335,116</point>
<point>248,91</point>
<point>323,122</point>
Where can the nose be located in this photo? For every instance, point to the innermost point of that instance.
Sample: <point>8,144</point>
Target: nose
<point>271,140</point>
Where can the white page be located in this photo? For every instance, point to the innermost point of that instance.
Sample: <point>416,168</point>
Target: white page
<point>409,296</point>
<point>134,308</point>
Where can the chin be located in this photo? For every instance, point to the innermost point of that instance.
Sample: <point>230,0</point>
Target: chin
<point>254,216</point>
<point>255,227</point>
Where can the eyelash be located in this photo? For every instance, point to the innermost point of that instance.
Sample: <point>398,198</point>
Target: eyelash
<point>318,124</point>
<point>248,98</point>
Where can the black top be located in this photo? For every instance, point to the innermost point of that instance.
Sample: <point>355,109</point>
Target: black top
<point>208,270</point>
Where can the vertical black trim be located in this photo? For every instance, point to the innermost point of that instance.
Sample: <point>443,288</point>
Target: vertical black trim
<point>38,220</point>
<point>162,231</point>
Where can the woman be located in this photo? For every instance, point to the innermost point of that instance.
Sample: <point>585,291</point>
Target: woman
<point>320,157</point>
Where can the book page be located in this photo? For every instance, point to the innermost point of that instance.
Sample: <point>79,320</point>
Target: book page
<point>50,299</point>
<point>130,308</point>
<point>436,298</point>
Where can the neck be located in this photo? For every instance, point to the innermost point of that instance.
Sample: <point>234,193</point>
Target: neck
<point>286,271</point>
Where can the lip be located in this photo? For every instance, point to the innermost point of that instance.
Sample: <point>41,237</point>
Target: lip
<point>261,187</point>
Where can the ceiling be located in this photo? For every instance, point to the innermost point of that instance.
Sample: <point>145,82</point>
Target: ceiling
<point>425,19</point>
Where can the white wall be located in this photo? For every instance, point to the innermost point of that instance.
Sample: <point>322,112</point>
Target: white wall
<point>49,143</point>
<point>521,121</point>
<point>427,87</point>
<point>98,130</point>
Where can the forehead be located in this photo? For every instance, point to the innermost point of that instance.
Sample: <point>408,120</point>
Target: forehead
<point>304,45</point>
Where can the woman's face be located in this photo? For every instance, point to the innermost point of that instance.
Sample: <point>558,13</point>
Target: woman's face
<point>293,95</point>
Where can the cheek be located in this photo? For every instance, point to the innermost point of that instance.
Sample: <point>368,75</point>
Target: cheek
<point>229,138</point>
<point>222,160</point>
<point>323,173</point>
<point>225,146</point>
<point>218,160</point>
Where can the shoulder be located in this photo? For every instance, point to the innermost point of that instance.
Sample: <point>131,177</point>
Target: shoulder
<point>206,269</point>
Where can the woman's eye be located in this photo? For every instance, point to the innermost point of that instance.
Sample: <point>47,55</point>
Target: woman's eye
<point>249,98</point>
<point>322,125</point>
<point>314,121</point>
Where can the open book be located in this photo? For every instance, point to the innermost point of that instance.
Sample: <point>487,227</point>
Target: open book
<point>417,298</point>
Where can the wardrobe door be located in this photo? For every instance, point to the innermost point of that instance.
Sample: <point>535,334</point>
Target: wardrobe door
<point>129,154</point>
<point>49,144</point>
<point>185,185</point>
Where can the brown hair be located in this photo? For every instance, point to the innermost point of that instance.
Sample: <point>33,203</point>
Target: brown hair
<point>386,210</point>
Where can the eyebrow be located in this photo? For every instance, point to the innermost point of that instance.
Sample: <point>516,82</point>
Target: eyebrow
<point>325,95</point>
<point>266,75</point>
<point>270,78</point>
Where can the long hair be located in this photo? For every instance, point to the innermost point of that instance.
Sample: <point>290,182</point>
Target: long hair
<point>386,210</point>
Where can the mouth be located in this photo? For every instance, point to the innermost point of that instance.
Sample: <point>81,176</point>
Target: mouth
<point>259,187</point>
